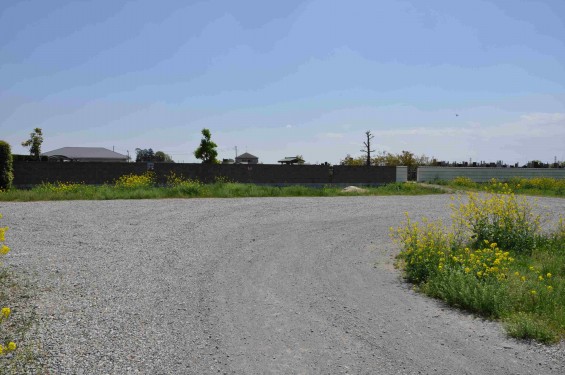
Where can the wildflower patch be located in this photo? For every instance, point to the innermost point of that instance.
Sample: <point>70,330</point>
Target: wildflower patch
<point>493,260</point>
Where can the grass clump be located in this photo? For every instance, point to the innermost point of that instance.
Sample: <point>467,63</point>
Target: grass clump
<point>540,186</point>
<point>493,260</point>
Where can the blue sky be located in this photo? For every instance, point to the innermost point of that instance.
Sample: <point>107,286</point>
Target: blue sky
<point>281,78</point>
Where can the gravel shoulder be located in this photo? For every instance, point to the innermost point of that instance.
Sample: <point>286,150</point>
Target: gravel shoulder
<point>247,286</point>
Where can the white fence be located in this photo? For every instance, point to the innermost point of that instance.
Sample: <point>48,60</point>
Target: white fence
<point>481,174</point>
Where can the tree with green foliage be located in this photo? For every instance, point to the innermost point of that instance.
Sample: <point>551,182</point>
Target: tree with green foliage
<point>405,158</point>
<point>207,149</point>
<point>34,143</point>
<point>144,155</point>
<point>351,161</point>
<point>6,166</point>
<point>162,157</point>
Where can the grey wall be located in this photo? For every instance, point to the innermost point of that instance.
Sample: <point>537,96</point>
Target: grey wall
<point>479,174</point>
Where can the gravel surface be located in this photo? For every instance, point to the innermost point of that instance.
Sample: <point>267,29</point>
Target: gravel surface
<point>247,286</point>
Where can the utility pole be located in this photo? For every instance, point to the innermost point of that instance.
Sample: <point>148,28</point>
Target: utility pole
<point>236,151</point>
<point>367,148</point>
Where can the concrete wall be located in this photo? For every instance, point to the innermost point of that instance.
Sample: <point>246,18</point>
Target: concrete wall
<point>401,174</point>
<point>365,175</point>
<point>478,174</point>
<point>96,173</point>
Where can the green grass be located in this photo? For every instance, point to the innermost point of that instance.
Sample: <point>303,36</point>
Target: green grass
<point>539,186</point>
<point>189,189</point>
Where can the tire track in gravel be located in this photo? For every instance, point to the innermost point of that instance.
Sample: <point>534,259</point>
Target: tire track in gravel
<point>247,286</point>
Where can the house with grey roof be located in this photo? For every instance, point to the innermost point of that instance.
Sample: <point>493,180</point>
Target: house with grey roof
<point>290,160</point>
<point>246,158</point>
<point>82,154</point>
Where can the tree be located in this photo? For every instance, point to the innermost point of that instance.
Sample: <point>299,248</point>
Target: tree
<point>145,155</point>
<point>300,159</point>
<point>207,149</point>
<point>367,150</point>
<point>6,166</point>
<point>34,143</point>
<point>162,157</point>
<point>351,161</point>
<point>383,158</point>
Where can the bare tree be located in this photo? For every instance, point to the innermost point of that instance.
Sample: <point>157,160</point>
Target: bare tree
<point>367,150</point>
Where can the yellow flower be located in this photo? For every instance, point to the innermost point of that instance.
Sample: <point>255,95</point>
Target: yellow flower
<point>549,288</point>
<point>467,270</point>
<point>517,273</point>
<point>533,292</point>
<point>12,346</point>
<point>549,275</point>
<point>1,349</point>
<point>523,278</point>
<point>540,278</point>
<point>6,312</point>
<point>4,249</point>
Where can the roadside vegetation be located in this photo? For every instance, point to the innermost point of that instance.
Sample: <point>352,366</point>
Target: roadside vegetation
<point>494,260</point>
<point>144,187</point>
<point>539,186</point>
<point>18,353</point>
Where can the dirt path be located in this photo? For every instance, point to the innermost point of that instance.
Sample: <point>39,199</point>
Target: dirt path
<point>247,286</point>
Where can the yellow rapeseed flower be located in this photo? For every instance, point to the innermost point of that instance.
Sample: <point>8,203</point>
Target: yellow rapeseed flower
<point>1,349</point>
<point>533,292</point>
<point>6,311</point>
<point>12,346</point>
<point>4,249</point>
<point>548,275</point>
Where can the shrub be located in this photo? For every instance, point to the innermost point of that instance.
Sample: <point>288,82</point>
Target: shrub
<point>464,182</point>
<point>499,217</point>
<point>184,186</point>
<point>133,181</point>
<point>6,167</point>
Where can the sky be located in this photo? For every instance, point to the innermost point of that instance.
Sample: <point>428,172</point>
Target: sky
<point>455,80</point>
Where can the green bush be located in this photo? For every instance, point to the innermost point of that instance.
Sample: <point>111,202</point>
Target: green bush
<point>6,166</point>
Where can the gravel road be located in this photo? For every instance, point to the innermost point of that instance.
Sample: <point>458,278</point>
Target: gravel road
<point>247,286</point>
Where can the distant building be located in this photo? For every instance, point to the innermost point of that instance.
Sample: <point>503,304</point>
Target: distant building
<point>82,154</point>
<point>227,161</point>
<point>290,160</point>
<point>246,158</point>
